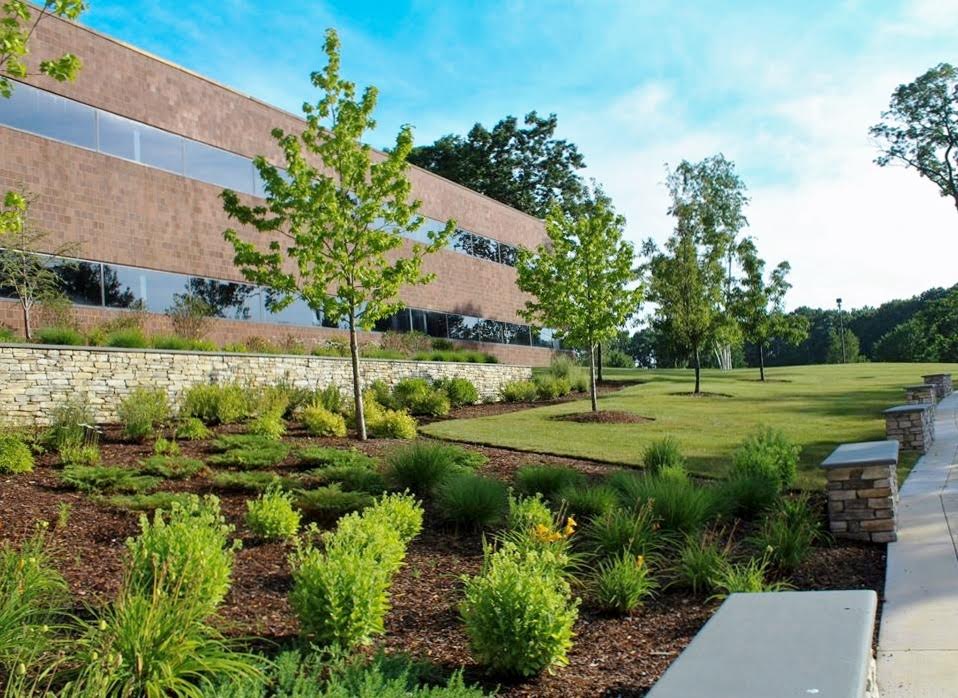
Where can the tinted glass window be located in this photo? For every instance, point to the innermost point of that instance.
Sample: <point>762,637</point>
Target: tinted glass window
<point>544,338</point>
<point>461,241</point>
<point>218,167</point>
<point>474,329</point>
<point>118,136</point>
<point>159,149</point>
<point>433,324</point>
<point>227,299</point>
<point>296,313</point>
<point>49,115</point>
<point>155,289</point>
<point>516,334</point>
<point>80,281</point>
<point>484,248</point>
<point>399,322</point>
<point>508,254</point>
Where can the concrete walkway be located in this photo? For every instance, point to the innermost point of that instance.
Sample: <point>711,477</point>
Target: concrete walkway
<point>918,640</point>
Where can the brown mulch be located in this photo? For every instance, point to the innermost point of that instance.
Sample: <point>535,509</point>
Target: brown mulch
<point>603,417</point>
<point>610,657</point>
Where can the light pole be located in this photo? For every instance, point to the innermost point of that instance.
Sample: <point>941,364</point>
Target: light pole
<point>841,326</point>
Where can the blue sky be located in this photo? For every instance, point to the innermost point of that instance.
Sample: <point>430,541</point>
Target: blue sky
<point>785,89</point>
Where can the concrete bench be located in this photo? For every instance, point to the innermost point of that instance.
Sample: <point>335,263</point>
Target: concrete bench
<point>862,491</point>
<point>913,426</point>
<point>780,645</point>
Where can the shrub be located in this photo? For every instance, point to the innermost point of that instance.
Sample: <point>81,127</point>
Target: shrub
<point>525,513</point>
<point>319,421</point>
<point>743,578</point>
<point>106,479</point>
<point>747,496</point>
<point>70,423</point>
<point>400,512</point>
<point>15,456</point>
<point>624,532</point>
<point>191,316</point>
<point>166,447</point>
<point>231,442</point>
<point>420,466</point>
<point>770,453</point>
<point>170,342</point>
<point>547,480</point>
<point>172,467</point>
<point>192,429</point>
<point>129,338</point>
<point>256,481</point>
<point>786,536</point>
<point>471,501</point>
<point>325,457</point>
<point>253,457</point>
<point>184,554</point>
<point>143,502</point>
<point>85,454</point>
<point>549,387</point>
<point>418,397</point>
<point>269,425</point>
<point>663,453</point>
<point>678,503</point>
<point>519,391</point>
<point>66,336</point>
<point>327,504</point>
<point>700,561</point>
<point>353,478</point>
<point>441,344</point>
<point>142,411</point>
<point>519,613</point>
<point>216,404</point>
<point>562,366</point>
<point>331,398</point>
<point>460,391</point>
<point>392,424</point>
<point>272,516</point>
<point>616,358</point>
<point>621,583</point>
<point>588,502</point>
<point>9,336</point>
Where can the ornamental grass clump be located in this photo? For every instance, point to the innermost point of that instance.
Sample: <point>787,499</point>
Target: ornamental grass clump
<point>420,467</point>
<point>700,561</point>
<point>624,531</point>
<point>787,534</point>
<point>15,456</point>
<point>547,480</point>
<point>272,516</point>
<point>620,584</point>
<point>589,501</point>
<point>216,404</point>
<point>747,496</point>
<point>519,391</point>
<point>519,611</point>
<point>661,454</point>
<point>142,411</point>
<point>470,501</point>
<point>749,577</point>
<point>769,453</point>
<point>679,503</point>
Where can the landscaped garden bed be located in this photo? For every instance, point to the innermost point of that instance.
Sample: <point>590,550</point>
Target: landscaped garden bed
<point>612,652</point>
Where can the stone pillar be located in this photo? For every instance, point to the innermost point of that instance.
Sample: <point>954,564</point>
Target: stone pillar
<point>917,394</point>
<point>913,426</point>
<point>942,383</point>
<point>862,491</point>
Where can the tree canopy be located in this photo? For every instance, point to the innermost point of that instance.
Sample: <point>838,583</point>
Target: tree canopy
<point>526,168</point>
<point>920,128</point>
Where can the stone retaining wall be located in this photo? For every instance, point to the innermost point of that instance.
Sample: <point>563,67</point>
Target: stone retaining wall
<point>942,383</point>
<point>861,502</point>
<point>34,379</point>
<point>913,426</point>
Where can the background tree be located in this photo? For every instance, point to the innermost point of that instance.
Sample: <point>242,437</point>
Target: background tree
<point>341,221</point>
<point>920,128</point>
<point>526,168</point>
<point>760,305</point>
<point>580,280</point>
<point>24,272</point>
<point>836,354</point>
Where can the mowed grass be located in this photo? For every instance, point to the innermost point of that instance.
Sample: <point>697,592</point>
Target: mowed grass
<point>818,407</point>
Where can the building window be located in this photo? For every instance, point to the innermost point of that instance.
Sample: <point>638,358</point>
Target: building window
<point>49,115</point>
<point>219,167</point>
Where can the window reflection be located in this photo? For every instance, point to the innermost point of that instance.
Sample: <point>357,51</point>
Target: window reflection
<point>49,115</point>
<point>156,290</point>
<point>216,166</point>
<point>80,281</point>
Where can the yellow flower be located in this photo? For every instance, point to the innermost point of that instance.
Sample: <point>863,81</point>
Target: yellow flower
<point>639,561</point>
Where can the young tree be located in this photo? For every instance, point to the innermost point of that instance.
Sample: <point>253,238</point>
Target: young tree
<point>580,280</point>
<point>920,128</point>
<point>526,168</point>
<point>23,269</point>
<point>760,306</point>
<point>335,226</point>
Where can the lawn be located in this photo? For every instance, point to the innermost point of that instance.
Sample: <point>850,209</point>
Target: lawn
<point>819,407</point>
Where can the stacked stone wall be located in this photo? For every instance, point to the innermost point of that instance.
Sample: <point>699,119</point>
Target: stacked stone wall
<point>913,426</point>
<point>862,502</point>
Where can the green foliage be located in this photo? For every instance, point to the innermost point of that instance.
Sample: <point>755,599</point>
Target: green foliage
<point>15,456</point>
<point>399,512</point>
<point>420,466</point>
<point>253,453</point>
<point>216,403</point>
<point>460,391</point>
<point>184,554</point>
<point>272,515</point>
<point>931,334</point>
<point>525,513</point>
<point>624,532</point>
<point>547,480</point>
<point>700,562</point>
<point>471,501</point>
<point>105,479</point>
<point>518,612</point>
<point>327,504</point>
<point>392,424</point>
<point>256,481</point>
<point>326,457</point>
<point>519,391</point>
<point>70,421</point>
<point>191,316</point>
<point>786,536</point>
<point>747,577</point>
<point>16,28</point>
<point>549,387</point>
<point>166,447</point>
<point>417,396</point>
<point>144,502</point>
<point>142,411</point>
<point>172,467</point>
<point>173,342</point>
<point>128,338</point>
<point>457,355</point>
<point>768,452</point>
<point>330,398</point>
<point>192,429</point>
<point>838,352</point>
<point>620,584</point>
<point>747,496</point>
<point>663,453</point>
<point>678,503</point>
<point>588,502</point>
<point>270,425</point>
<point>65,336</point>
<point>616,358</point>
<point>232,442</point>
<point>8,336</point>
<point>320,421</point>
<point>353,478</point>
<point>86,454</point>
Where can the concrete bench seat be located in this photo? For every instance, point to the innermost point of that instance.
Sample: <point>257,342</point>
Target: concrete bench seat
<point>788,644</point>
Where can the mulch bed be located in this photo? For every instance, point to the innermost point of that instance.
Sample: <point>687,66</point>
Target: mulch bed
<point>610,657</point>
<point>603,417</point>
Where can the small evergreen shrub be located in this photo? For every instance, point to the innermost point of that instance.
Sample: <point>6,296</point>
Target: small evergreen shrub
<point>272,515</point>
<point>185,554</point>
<point>327,504</point>
<point>621,583</point>
<point>142,411</point>
<point>255,481</point>
<point>64,336</point>
<point>128,338</point>
<point>319,421</point>
<point>15,456</point>
<point>588,502</point>
<point>547,480</point>
<point>326,457</point>
<point>519,612</point>
<point>420,466</point>
<point>353,478</point>
<point>471,501</point>
<point>661,454</point>
<point>232,442</point>
<point>460,391</point>
<point>216,404</point>
<point>172,467</point>
<point>392,424</point>
<point>192,429</point>
<point>624,532</point>
<point>526,513</point>
<point>770,453</point>
<point>519,391</point>
<point>106,480</point>
<point>253,457</point>
<point>166,447</point>
<point>549,387</point>
<point>700,561</point>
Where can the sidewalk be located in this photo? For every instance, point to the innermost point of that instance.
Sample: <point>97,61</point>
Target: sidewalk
<point>918,640</point>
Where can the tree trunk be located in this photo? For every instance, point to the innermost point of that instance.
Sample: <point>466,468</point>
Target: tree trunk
<point>599,361</point>
<point>357,383</point>
<point>698,371</point>
<point>27,327</point>
<point>595,404</point>
<point>761,362</point>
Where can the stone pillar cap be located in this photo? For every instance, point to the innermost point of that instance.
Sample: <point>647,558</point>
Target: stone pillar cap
<point>862,454</point>
<point>936,375</point>
<point>900,409</point>
<point>928,386</point>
